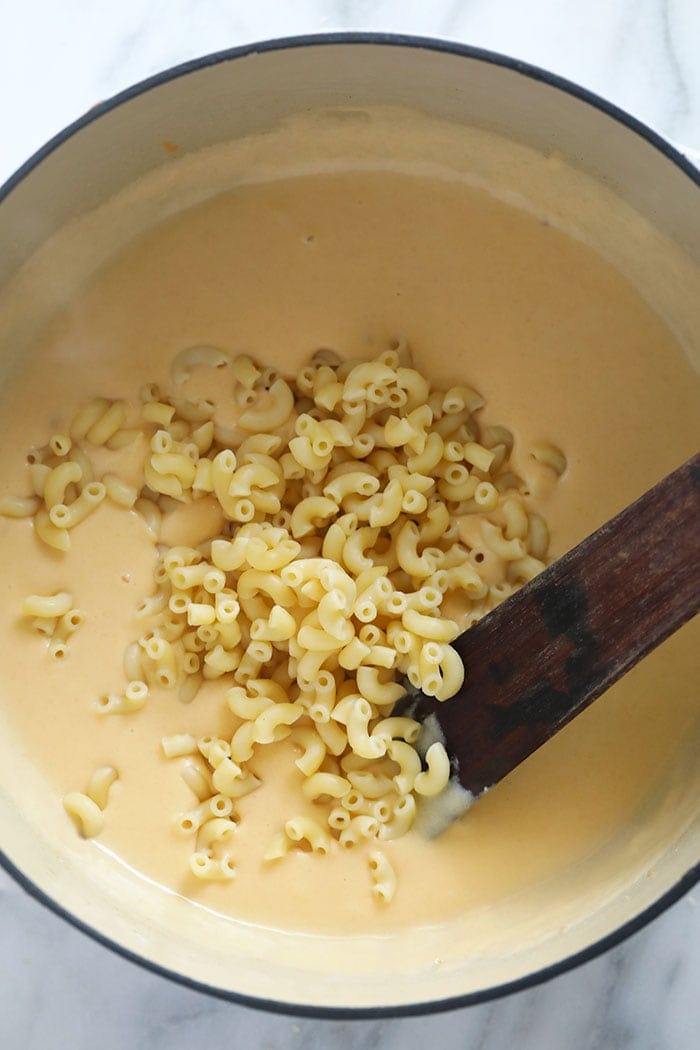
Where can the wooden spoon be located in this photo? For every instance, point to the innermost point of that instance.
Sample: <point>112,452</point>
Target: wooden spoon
<point>548,651</point>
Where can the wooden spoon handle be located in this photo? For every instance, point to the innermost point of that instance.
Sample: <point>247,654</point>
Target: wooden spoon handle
<point>558,643</point>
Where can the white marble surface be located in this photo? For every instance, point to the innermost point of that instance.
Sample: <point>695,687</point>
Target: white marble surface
<point>57,58</point>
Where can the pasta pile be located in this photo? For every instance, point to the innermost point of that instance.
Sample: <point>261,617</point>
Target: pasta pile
<point>342,493</point>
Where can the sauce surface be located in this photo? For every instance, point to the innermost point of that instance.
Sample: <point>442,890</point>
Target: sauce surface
<point>561,347</point>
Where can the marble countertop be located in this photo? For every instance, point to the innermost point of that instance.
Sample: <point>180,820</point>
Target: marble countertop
<point>60,990</point>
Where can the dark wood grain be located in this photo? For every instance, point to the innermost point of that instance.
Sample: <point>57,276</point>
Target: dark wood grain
<point>548,651</point>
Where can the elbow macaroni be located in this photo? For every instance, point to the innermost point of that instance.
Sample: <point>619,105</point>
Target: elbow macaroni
<point>341,493</point>
<point>86,808</point>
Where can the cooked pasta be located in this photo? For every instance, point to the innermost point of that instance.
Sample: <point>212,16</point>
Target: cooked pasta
<point>87,814</point>
<point>53,617</point>
<point>100,783</point>
<point>383,877</point>
<point>86,808</point>
<point>341,493</point>
<point>549,455</point>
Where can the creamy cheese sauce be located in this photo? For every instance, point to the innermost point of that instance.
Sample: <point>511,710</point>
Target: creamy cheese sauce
<point>562,348</point>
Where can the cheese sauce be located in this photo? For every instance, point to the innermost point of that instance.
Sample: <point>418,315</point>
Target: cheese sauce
<point>561,347</point>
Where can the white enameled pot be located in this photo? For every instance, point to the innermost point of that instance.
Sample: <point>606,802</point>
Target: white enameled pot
<point>209,102</point>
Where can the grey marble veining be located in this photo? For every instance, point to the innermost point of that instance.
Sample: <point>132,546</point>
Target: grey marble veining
<point>58,59</point>
<point>60,990</point>
<point>57,988</point>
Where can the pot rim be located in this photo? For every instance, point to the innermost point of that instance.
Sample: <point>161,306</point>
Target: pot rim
<point>533,72</point>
